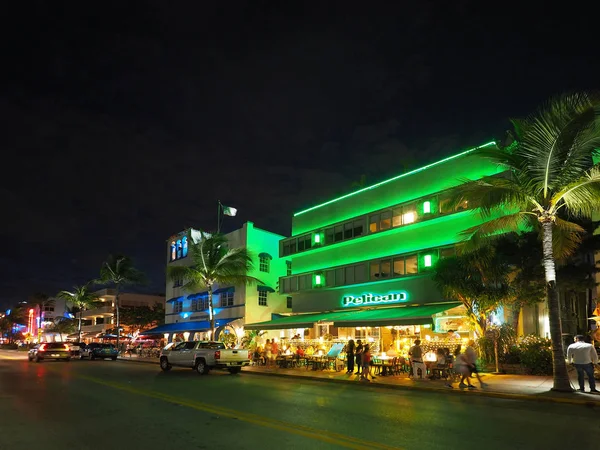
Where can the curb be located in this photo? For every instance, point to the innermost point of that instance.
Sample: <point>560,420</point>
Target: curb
<point>501,395</point>
<point>137,361</point>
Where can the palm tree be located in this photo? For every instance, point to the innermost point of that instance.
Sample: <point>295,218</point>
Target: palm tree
<point>214,263</point>
<point>119,271</point>
<point>550,175</point>
<point>64,325</point>
<point>82,298</point>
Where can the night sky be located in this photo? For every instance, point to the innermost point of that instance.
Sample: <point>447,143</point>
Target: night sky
<point>125,122</point>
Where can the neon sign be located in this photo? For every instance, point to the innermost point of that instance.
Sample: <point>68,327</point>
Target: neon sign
<point>370,299</point>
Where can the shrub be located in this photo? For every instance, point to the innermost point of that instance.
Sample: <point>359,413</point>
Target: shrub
<point>506,340</point>
<point>536,355</point>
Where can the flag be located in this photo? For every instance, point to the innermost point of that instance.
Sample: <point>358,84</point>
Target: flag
<point>229,211</point>
<point>195,235</point>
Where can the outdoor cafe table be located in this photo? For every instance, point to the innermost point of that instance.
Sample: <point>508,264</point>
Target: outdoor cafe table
<point>383,362</point>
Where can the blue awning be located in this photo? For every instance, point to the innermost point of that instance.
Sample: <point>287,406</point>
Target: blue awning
<point>181,327</point>
<point>263,288</point>
<point>176,299</point>
<point>227,289</point>
<point>197,295</point>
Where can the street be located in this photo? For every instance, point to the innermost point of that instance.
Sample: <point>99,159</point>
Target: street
<point>116,404</point>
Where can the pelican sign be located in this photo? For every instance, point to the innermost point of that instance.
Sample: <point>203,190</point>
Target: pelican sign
<point>371,299</point>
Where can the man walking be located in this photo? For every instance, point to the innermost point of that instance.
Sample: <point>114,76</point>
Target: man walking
<point>583,356</point>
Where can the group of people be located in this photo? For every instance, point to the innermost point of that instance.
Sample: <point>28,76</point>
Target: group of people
<point>360,354</point>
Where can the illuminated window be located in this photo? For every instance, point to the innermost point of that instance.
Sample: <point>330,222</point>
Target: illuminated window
<point>184,241</point>
<point>412,265</point>
<point>409,214</point>
<point>173,251</point>
<point>317,238</point>
<point>426,207</point>
<point>374,270</point>
<point>427,260</point>
<point>179,249</point>
<point>386,221</point>
<point>397,217</point>
<point>374,223</point>
<point>319,280</point>
<point>463,206</point>
<point>399,266</point>
<point>385,268</point>
<point>226,298</point>
<point>262,298</point>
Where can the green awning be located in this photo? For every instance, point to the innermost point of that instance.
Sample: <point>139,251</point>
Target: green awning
<point>263,288</point>
<point>404,315</point>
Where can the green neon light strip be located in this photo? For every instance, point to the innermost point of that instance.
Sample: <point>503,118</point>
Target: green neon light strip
<point>466,152</point>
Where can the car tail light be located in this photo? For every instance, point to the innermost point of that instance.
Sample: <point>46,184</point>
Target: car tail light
<point>42,347</point>
<point>217,354</point>
<point>66,347</point>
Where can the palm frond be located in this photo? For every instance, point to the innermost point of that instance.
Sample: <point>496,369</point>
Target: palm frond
<point>581,197</point>
<point>480,235</point>
<point>580,156</point>
<point>566,238</point>
<point>548,135</point>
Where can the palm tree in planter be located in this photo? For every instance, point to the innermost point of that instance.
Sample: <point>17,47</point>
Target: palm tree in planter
<point>550,175</point>
<point>214,263</point>
<point>81,298</point>
<point>119,271</point>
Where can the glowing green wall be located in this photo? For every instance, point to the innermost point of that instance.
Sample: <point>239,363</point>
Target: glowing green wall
<point>421,182</point>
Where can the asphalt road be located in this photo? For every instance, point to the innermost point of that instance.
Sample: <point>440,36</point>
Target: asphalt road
<point>124,405</point>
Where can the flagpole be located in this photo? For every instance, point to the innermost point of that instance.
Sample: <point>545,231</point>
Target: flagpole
<point>218,216</point>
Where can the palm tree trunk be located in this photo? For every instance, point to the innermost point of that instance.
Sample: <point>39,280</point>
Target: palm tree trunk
<point>79,327</point>
<point>561,377</point>
<point>117,314</point>
<point>211,312</point>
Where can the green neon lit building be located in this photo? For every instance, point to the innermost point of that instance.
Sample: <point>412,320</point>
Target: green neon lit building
<point>374,249</point>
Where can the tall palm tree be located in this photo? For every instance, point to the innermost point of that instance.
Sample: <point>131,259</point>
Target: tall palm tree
<point>82,298</point>
<point>119,271</point>
<point>550,175</point>
<point>214,263</point>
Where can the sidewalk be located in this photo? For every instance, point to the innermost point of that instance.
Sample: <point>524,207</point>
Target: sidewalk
<point>517,387</point>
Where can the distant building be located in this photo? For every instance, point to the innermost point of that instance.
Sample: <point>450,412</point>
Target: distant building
<point>186,314</point>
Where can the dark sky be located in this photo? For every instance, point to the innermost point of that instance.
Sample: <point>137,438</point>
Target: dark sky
<point>124,122</point>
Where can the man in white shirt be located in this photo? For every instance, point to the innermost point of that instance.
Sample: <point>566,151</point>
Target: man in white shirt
<point>583,356</point>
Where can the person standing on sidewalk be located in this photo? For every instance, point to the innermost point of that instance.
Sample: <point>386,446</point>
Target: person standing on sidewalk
<point>471,355</point>
<point>416,359</point>
<point>358,353</point>
<point>583,356</point>
<point>350,347</point>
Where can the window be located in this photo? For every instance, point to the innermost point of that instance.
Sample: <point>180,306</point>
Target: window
<point>184,241</point>
<point>226,299</point>
<point>339,276</point>
<point>286,248</point>
<point>288,301</point>
<point>399,266</point>
<point>177,282</point>
<point>374,270</point>
<point>447,252</point>
<point>360,273</point>
<point>348,227</point>
<point>262,298</point>
<point>203,303</point>
<point>385,269</point>
<point>386,221</point>
<point>463,206</point>
<point>338,234</point>
<point>173,251</point>
<point>179,248</point>
<point>264,262</point>
<point>409,214</point>
<point>349,275</point>
<point>358,228</point>
<point>359,333</point>
<point>292,246</point>
<point>330,278</point>
<point>99,320</point>
<point>195,304</point>
<point>374,223</point>
<point>412,265</point>
<point>288,268</point>
<point>48,308</point>
<point>329,236</point>
<point>177,307</point>
<point>397,217</point>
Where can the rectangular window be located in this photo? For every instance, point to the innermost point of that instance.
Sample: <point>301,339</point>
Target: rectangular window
<point>385,269</point>
<point>302,283</point>
<point>288,268</point>
<point>426,207</point>
<point>330,278</point>
<point>360,275</point>
<point>307,242</point>
<point>301,244</point>
<point>194,304</point>
<point>286,248</point>
<point>264,264</point>
<point>412,265</point>
<point>339,233</point>
<point>374,270</point>
<point>177,307</point>
<point>374,223</point>
<point>358,228</point>
<point>397,217</point>
<point>227,299</point>
<point>262,298</point>
<point>386,221</point>
<point>329,236</point>
<point>99,320</point>
<point>292,246</point>
<point>409,214</point>
<point>339,276</point>
<point>288,301</point>
<point>348,230</point>
<point>399,266</point>
<point>445,206</point>
<point>447,252</point>
<point>349,273</point>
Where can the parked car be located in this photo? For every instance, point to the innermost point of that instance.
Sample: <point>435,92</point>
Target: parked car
<point>97,350</point>
<point>203,356</point>
<point>75,347</point>
<point>50,350</point>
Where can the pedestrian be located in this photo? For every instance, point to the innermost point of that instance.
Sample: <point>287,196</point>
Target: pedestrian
<point>350,347</point>
<point>416,360</point>
<point>358,353</point>
<point>268,353</point>
<point>452,334</point>
<point>583,356</point>
<point>471,355</point>
<point>366,363</point>
<point>463,368</point>
<point>274,352</point>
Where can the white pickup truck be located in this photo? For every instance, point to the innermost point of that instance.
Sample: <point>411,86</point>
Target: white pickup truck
<point>202,356</point>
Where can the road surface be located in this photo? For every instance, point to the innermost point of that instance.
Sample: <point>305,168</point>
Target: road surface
<point>126,405</point>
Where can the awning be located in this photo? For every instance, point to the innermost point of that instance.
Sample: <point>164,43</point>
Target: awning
<point>175,299</point>
<point>405,315</point>
<point>223,290</point>
<point>264,255</point>
<point>197,295</point>
<point>262,288</point>
<point>182,327</point>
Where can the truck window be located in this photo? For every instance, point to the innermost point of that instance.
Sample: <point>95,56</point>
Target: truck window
<point>212,345</point>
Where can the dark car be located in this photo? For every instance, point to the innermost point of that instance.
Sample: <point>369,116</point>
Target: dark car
<point>76,347</point>
<point>97,350</point>
<point>50,350</point>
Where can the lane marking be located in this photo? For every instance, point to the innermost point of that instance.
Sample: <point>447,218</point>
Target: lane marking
<point>309,432</point>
